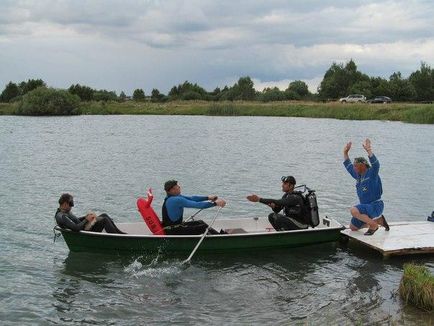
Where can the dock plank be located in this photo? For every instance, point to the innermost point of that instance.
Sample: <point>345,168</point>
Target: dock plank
<point>404,238</point>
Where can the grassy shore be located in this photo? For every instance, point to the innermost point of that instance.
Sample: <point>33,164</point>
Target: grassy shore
<point>406,112</point>
<point>7,109</point>
<point>417,286</point>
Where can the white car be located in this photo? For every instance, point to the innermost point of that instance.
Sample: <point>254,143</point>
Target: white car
<point>354,98</point>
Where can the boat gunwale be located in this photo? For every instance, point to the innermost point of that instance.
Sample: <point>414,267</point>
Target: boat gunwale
<point>197,236</point>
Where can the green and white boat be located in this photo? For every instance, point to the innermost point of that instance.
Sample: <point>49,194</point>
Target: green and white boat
<point>243,234</point>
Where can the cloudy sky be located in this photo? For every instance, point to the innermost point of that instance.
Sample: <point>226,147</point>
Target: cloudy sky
<point>124,45</point>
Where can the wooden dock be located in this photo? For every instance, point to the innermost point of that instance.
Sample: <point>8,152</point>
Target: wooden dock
<point>404,238</point>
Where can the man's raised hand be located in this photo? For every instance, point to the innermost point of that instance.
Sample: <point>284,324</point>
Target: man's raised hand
<point>346,150</point>
<point>367,146</point>
<point>347,147</point>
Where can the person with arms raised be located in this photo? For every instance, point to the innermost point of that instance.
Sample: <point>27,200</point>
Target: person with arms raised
<point>369,190</point>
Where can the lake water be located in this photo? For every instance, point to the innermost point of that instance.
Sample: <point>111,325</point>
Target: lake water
<point>106,162</point>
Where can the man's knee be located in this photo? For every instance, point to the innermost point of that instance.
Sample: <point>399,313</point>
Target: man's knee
<point>104,220</point>
<point>353,228</point>
<point>354,211</point>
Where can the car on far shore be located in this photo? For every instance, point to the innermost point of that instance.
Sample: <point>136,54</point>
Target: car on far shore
<point>353,98</point>
<point>380,99</point>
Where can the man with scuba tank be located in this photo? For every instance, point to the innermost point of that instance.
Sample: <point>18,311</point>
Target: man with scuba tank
<point>294,215</point>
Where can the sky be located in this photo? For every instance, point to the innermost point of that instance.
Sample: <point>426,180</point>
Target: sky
<point>129,44</point>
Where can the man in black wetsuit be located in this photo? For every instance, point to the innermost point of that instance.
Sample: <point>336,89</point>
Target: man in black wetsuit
<point>292,205</point>
<point>90,222</point>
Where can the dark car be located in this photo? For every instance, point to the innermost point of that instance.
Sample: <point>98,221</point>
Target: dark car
<point>380,99</point>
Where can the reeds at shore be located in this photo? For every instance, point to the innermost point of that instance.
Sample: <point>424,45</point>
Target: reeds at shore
<point>417,286</point>
<point>405,112</point>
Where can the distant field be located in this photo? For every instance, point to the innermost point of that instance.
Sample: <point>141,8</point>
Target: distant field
<point>406,112</point>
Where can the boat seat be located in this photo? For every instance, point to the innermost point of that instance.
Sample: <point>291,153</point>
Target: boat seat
<point>235,231</point>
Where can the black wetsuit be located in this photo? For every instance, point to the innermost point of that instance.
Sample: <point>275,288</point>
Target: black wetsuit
<point>70,221</point>
<point>293,209</point>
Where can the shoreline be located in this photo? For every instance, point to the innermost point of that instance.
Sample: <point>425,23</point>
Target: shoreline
<point>405,112</point>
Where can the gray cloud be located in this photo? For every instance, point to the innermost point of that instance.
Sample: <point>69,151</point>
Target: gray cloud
<point>123,45</point>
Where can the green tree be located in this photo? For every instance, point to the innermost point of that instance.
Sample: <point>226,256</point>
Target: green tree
<point>334,83</point>
<point>156,96</point>
<point>380,86</point>
<point>122,96</point>
<point>191,96</point>
<point>400,88</point>
<point>215,94</point>
<point>300,88</point>
<point>339,79</point>
<point>11,91</point>
<point>187,91</point>
<point>30,85</point>
<point>291,95</point>
<point>423,82</point>
<point>272,94</point>
<point>104,95</point>
<point>362,87</point>
<point>243,89</point>
<point>139,95</point>
<point>49,101</point>
<point>84,92</point>
<point>226,94</point>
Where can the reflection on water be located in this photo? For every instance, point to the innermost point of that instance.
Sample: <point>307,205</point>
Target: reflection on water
<point>319,284</point>
<point>107,162</point>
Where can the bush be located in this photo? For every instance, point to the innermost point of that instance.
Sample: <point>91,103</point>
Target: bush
<point>191,96</point>
<point>417,286</point>
<point>49,101</point>
<point>272,94</point>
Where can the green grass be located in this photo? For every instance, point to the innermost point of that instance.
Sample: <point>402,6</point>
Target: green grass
<point>417,286</point>
<point>7,108</point>
<point>406,112</point>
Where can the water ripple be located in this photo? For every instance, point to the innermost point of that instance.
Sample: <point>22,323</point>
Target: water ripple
<point>107,162</point>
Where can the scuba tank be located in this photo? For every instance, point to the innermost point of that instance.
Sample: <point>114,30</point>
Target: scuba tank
<point>312,207</point>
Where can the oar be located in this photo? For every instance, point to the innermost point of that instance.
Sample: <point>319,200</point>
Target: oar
<point>191,217</point>
<point>203,237</point>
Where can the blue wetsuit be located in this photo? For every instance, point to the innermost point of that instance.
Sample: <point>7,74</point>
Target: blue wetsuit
<point>369,190</point>
<point>175,205</point>
<point>173,210</point>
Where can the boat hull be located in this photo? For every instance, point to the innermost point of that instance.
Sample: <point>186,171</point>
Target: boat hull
<point>102,242</point>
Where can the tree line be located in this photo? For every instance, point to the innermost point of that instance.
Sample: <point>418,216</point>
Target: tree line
<point>339,80</point>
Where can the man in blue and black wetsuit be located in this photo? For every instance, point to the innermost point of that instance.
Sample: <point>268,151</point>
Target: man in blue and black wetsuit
<point>369,190</point>
<point>173,210</point>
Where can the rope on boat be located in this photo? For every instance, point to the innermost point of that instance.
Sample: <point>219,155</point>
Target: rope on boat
<point>56,233</point>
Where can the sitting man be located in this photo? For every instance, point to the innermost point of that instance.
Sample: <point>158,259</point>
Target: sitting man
<point>173,210</point>
<point>90,222</point>
<point>292,205</point>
